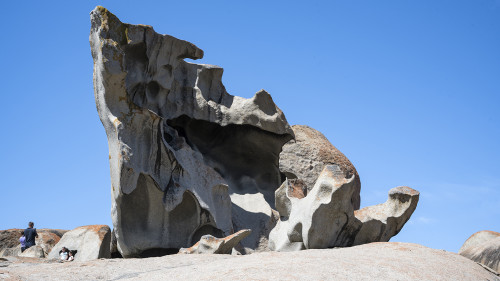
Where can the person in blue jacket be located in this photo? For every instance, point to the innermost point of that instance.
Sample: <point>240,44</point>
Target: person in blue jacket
<point>30,234</point>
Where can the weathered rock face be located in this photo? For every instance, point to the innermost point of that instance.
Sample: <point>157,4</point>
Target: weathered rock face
<point>48,238</point>
<point>186,157</point>
<point>211,245</point>
<point>306,156</point>
<point>325,217</point>
<point>483,247</point>
<point>9,238</point>
<point>91,242</point>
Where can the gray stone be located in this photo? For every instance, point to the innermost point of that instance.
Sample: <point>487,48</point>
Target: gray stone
<point>90,241</point>
<point>212,245</point>
<point>325,217</point>
<point>185,156</point>
<point>305,157</point>
<point>483,247</point>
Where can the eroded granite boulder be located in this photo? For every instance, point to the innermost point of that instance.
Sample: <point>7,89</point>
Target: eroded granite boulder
<point>325,217</point>
<point>212,245</point>
<point>187,159</point>
<point>305,157</point>
<point>90,241</point>
<point>483,247</point>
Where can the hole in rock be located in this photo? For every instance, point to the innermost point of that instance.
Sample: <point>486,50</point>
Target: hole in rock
<point>245,156</point>
<point>152,90</point>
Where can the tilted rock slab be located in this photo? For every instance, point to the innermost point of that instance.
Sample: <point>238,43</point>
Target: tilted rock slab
<point>91,241</point>
<point>483,247</point>
<point>212,245</point>
<point>186,158</point>
<point>305,157</point>
<point>325,218</point>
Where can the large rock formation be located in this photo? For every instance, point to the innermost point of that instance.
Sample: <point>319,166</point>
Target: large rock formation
<point>325,217</point>
<point>187,159</point>
<point>305,157</point>
<point>90,241</point>
<point>483,247</point>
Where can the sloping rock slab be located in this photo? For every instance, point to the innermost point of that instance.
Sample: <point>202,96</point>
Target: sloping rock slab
<point>91,242</point>
<point>375,261</point>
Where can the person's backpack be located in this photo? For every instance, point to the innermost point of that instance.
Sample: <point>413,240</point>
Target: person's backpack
<point>73,252</point>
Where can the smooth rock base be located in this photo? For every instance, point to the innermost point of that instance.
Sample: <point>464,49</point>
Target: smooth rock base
<point>375,261</point>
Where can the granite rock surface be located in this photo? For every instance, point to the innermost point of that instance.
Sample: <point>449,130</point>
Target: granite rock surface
<point>374,261</point>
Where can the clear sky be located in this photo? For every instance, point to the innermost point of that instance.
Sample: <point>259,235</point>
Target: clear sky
<point>408,90</point>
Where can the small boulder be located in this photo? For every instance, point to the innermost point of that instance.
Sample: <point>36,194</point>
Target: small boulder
<point>212,245</point>
<point>483,247</point>
<point>33,252</point>
<point>91,242</point>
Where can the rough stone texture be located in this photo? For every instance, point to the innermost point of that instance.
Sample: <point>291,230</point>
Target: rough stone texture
<point>183,153</point>
<point>375,261</point>
<point>325,218</point>
<point>9,238</point>
<point>10,246</point>
<point>48,239</point>
<point>307,155</point>
<point>11,252</point>
<point>33,252</point>
<point>91,242</point>
<point>211,245</point>
<point>483,247</point>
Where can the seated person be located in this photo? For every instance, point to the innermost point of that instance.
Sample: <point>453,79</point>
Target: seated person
<point>64,254</point>
<point>71,256</point>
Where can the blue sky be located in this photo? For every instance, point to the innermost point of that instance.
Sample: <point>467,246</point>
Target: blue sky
<point>409,91</point>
